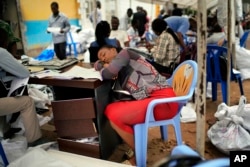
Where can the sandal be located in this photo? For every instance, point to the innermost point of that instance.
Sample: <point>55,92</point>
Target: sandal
<point>129,154</point>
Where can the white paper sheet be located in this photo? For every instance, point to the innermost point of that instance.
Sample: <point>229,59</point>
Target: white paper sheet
<point>18,83</point>
<point>54,30</point>
<point>80,72</point>
<point>74,72</point>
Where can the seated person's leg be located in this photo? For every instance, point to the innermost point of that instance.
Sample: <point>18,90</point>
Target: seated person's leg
<point>26,106</point>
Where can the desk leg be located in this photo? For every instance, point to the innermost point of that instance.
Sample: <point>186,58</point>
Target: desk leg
<point>107,136</point>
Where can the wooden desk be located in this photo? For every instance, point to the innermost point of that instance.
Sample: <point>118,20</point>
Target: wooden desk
<point>85,88</point>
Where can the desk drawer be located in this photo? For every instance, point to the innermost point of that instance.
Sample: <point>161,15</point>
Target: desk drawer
<point>73,109</point>
<point>74,118</point>
<point>90,150</point>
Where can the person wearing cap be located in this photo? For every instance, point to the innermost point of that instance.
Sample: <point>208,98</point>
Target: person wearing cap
<point>23,104</point>
<point>12,45</point>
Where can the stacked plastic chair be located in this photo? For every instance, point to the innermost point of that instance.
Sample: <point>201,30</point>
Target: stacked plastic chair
<point>217,71</point>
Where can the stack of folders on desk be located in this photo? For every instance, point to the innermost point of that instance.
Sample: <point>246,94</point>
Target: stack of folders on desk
<point>54,64</point>
<point>76,72</point>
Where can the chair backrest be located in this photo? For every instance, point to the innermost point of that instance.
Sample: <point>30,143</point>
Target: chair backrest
<point>216,60</point>
<point>244,37</point>
<point>184,78</point>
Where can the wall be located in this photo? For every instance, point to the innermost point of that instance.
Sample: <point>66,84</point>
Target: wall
<point>10,14</point>
<point>35,14</point>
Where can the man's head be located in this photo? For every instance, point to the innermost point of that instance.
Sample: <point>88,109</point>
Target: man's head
<point>158,26</point>
<point>175,5</point>
<point>114,23</point>
<point>54,8</point>
<point>98,4</point>
<point>193,24</point>
<point>129,12</point>
<point>107,53</point>
<point>138,8</point>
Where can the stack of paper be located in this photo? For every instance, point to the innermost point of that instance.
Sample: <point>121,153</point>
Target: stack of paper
<point>74,72</point>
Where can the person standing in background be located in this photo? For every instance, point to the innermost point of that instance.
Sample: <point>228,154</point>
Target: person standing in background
<point>120,35</point>
<point>141,19</point>
<point>59,20</point>
<point>222,16</point>
<point>133,34</point>
<point>96,16</point>
<point>176,11</point>
<point>181,25</point>
<point>126,20</point>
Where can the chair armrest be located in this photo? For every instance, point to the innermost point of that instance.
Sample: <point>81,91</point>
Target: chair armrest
<point>153,103</point>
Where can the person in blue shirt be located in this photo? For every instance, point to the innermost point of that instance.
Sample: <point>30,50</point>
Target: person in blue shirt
<point>181,25</point>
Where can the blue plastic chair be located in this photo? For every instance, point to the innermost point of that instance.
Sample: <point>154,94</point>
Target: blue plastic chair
<point>3,156</point>
<point>183,81</point>
<point>184,153</point>
<point>244,37</point>
<point>216,72</point>
<point>70,43</point>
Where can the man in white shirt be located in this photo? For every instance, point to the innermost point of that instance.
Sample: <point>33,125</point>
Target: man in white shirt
<point>126,20</point>
<point>120,35</point>
<point>222,16</point>
<point>96,16</point>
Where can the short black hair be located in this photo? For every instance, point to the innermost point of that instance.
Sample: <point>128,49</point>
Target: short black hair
<point>54,4</point>
<point>130,10</point>
<point>98,4</point>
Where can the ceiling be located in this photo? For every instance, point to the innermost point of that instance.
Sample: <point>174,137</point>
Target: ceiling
<point>183,3</point>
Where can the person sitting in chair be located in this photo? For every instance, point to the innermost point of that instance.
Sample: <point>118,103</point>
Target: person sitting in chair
<point>142,81</point>
<point>23,104</point>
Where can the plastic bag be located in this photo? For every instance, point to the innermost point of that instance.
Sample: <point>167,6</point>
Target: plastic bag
<point>45,55</point>
<point>231,131</point>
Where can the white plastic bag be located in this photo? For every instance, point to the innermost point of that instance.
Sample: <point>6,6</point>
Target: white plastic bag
<point>15,147</point>
<point>41,94</point>
<point>231,131</point>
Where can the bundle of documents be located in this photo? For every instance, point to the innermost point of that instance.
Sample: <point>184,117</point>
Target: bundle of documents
<point>74,72</point>
<point>54,64</point>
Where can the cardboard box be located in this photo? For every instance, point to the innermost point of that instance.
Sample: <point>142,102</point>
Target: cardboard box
<point>75,119</point>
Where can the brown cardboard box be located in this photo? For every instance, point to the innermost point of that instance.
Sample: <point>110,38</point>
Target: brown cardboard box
<point>74,119</point>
